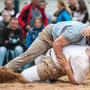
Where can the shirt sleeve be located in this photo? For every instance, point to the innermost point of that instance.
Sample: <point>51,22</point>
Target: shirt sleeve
<point>72,35</point>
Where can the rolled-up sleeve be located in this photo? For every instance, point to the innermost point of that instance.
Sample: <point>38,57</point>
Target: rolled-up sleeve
<point>71,36</point>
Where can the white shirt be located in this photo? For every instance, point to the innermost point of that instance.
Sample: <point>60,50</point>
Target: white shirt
<point>79,60</point>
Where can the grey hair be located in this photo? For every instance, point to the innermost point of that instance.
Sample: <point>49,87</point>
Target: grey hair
<point>5,11</point>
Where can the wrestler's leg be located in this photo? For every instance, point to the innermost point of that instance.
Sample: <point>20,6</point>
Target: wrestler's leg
<point>31,74</point>
<point>36,49</point>
<point>44,71</point>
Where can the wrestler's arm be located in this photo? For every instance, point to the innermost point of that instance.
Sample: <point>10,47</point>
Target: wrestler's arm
<point>58,44</point>
<point>65,65</point>
<point>70,75</point>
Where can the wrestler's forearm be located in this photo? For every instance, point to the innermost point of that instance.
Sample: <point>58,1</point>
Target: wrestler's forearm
<point>70,75</point>
<point>58,44</point>
<point>58,51</point>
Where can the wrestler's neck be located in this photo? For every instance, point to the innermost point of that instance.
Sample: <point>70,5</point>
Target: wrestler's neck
<point>88,52</point>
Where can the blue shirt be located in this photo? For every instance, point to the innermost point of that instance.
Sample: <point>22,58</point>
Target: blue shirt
<point>71,31</point>
<point>63,16</point>
<point>32,35</point>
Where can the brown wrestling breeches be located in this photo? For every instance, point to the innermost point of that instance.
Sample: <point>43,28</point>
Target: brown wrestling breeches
<point>48,69</point>
<point>38,47</point>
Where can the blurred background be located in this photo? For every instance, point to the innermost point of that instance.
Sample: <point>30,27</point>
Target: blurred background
<point>51,5</point>
<point>22,20</point>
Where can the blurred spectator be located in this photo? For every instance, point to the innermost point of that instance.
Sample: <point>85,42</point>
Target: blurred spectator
<point>32,35</point>
<point>33,32</point>
<point>6,18</point>
<point>72,5</point>
<point>88,22</point>
<point>43,4</point>
<point>17,15</point>
<point>28,15</point>
<point>9,6</point>
<point>81,13</point>
<point>11,39</point>
<point>63,13</point>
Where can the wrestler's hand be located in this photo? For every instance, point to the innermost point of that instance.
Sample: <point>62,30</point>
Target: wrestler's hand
<point>64,63</point>
<point>86,32</point>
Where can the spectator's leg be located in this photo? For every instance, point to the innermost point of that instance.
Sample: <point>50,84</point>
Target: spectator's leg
<point>3,52</point>
<point>36,49</point>
<point>18,50</point>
